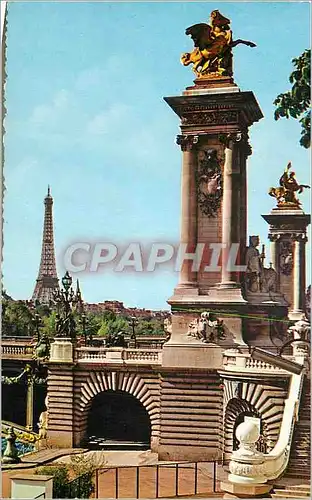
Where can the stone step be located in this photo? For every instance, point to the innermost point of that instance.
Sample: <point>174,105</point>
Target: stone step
<point>291,493</point>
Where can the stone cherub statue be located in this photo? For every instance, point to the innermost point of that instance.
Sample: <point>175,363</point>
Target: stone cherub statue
<point>258,278</point>
<point>286,193</point>
<point>208,328</point>
<point>212,54</point>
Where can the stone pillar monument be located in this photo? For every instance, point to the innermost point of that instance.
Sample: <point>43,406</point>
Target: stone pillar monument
<point>288,236</point>
<point>214,119</point>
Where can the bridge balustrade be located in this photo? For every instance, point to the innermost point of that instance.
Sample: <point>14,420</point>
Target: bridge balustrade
<point>16,350</point>
<point>110,355</point>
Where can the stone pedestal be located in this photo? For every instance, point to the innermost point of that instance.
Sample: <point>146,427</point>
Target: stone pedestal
<point>60,394</point>
<point>62,351</point>
<point>288,236</point>
<point>192,354</point>
<point>233,490</point>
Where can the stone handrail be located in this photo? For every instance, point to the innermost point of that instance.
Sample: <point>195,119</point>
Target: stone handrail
<point>90,353</point>
<point>22,433</point>
<point>118,355</point>
<point>16,350</point>
<point>276,461</point>
<point>259,467</point>
<point>236,361</point>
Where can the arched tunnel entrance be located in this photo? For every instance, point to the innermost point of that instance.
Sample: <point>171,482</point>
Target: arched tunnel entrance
<point>118,420</point>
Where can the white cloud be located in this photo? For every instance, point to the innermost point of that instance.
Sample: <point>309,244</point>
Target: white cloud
<point>50,113</point>
<point>110,120</point>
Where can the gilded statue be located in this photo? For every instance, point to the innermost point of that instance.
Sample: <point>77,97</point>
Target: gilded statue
<point>286,193</point>
<point>213,43</point>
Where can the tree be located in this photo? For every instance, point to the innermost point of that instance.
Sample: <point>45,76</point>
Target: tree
<point>17,319</point>
<point>296,102</point>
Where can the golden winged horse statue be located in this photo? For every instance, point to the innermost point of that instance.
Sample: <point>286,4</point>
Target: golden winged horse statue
<point>213,43</point>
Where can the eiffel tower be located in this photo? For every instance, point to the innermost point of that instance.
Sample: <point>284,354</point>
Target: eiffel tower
<point>47,281</point>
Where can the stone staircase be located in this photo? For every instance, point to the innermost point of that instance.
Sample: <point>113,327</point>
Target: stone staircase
<point>299,465</point>
<point>296,491</point>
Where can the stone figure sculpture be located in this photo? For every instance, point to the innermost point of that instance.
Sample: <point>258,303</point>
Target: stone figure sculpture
<point>257,277</point>
<point>207,328</point>
<point>286,193</point>
<point>212,54</point>
<point>43,422</point>
<point>42,348</point>
<point>168,328</point>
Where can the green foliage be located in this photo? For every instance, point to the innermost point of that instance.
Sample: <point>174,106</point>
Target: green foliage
<point>83,468</point>
<point>49,323</point>
<point>153,326</point>
<point>296,102</point>
<point>112,324</point>
<point>60,479</point>
<point>81,486</point>
<point>16,318</point>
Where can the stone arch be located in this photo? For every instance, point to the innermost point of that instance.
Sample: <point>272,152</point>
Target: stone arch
<point>100,381</point>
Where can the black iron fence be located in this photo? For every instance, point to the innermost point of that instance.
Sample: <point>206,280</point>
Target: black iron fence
<point>80,487</point>
<point>157,481</point>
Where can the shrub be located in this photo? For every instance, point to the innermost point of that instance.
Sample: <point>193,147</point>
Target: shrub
<point>60,479</point>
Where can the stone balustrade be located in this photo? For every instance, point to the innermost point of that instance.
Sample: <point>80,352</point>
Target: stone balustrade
<point>17,350</point>
<point>118,355</point>
<point>234,360</point>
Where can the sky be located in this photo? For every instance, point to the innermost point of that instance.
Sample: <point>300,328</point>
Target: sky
<point>86,115</point>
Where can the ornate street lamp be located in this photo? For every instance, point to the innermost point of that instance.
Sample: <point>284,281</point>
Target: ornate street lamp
<point>133,323</point>
<point>66,300</point>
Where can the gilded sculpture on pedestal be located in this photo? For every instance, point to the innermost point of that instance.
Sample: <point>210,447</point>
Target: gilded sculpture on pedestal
<point>286,193</point>
<point>212,54</point>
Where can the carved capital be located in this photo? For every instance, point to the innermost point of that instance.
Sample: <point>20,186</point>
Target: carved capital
<point>274,237</point>
<point>240,137</point>
<point>187,142</point>
<point>301,237</point>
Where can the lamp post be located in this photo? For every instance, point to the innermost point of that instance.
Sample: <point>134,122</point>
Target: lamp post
<point>133,321</point>
<point>83,321</point>
<point>65,300</point>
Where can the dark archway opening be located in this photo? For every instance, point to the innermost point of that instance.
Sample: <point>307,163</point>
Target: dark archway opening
<point>117,420</point>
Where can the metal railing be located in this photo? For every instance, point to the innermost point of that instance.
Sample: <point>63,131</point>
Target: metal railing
<point>174,485</point>
<point>42,495</point>
<point>81,486</point>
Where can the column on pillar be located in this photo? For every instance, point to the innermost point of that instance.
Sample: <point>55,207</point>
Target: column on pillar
<point>30,403</point>
<point>231,202</point>
<point>299,274</point>
<point>188,241</point>
<point>274,254</point>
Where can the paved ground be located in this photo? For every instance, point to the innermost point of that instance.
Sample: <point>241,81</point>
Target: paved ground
<point>127,481</point>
